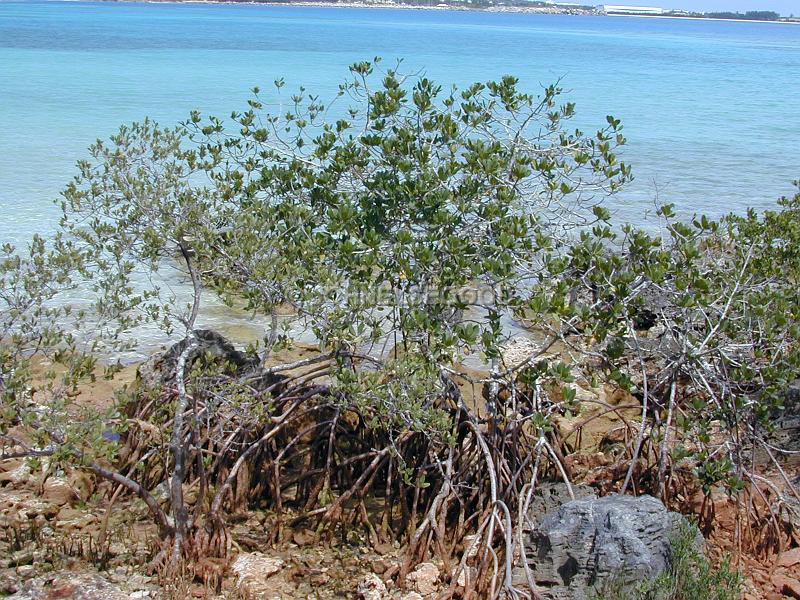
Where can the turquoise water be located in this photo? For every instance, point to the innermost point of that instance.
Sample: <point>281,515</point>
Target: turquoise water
<point>710,108</point>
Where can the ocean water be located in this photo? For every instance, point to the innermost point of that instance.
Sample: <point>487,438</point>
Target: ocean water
<point>710,108</point>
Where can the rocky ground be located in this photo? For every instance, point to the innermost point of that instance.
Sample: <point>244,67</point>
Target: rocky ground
<point>62,537</point>
<point>53,545</point>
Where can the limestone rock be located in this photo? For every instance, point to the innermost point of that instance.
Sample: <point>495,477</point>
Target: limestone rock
<point>549,497</point>
<point>69,586</point>
<point>372,588</point>
<point>82,484</point>
<point>59,492</point>
<point>73,519</point>
<point>467,574</point>
<point>16,473</point>
<point>588,544</point>
<point>253,571</point>
<point>69,514</point>
<point>160,369</point>
<point>793,392</point>
<point>9,583</point>
<point>789,587</point>
<point>789,558</point>
<point>425,578</point>
<point>210,348</point>
<point>25,571</point>
<point>517,350</point>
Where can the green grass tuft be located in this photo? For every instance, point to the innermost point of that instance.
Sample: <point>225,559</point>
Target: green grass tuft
<point>690,577</point>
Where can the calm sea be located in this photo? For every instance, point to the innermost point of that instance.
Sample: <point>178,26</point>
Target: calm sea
<point>711,109</point>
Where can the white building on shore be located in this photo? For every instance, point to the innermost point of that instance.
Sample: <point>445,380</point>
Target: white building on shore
<point>613,9</point>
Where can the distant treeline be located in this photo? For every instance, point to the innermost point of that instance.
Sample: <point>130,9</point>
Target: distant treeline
<point>750,15</point>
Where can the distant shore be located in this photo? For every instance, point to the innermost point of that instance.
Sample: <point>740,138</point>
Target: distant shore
<point>357,4</point>
<point>674,17</point>
<point>495,8</point>
<point>441,7</point>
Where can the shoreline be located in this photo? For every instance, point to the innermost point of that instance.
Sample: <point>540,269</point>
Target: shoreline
<point>357,4</point>
<point>538,10</point>
<point>675,17</point>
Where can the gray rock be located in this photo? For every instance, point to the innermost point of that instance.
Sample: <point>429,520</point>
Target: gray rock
<point>210,347</point>
<point>793,393</point>
<point>786,420</point>
<point>161,368</point>
<point>549,497</point>
<point>589,544</point>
